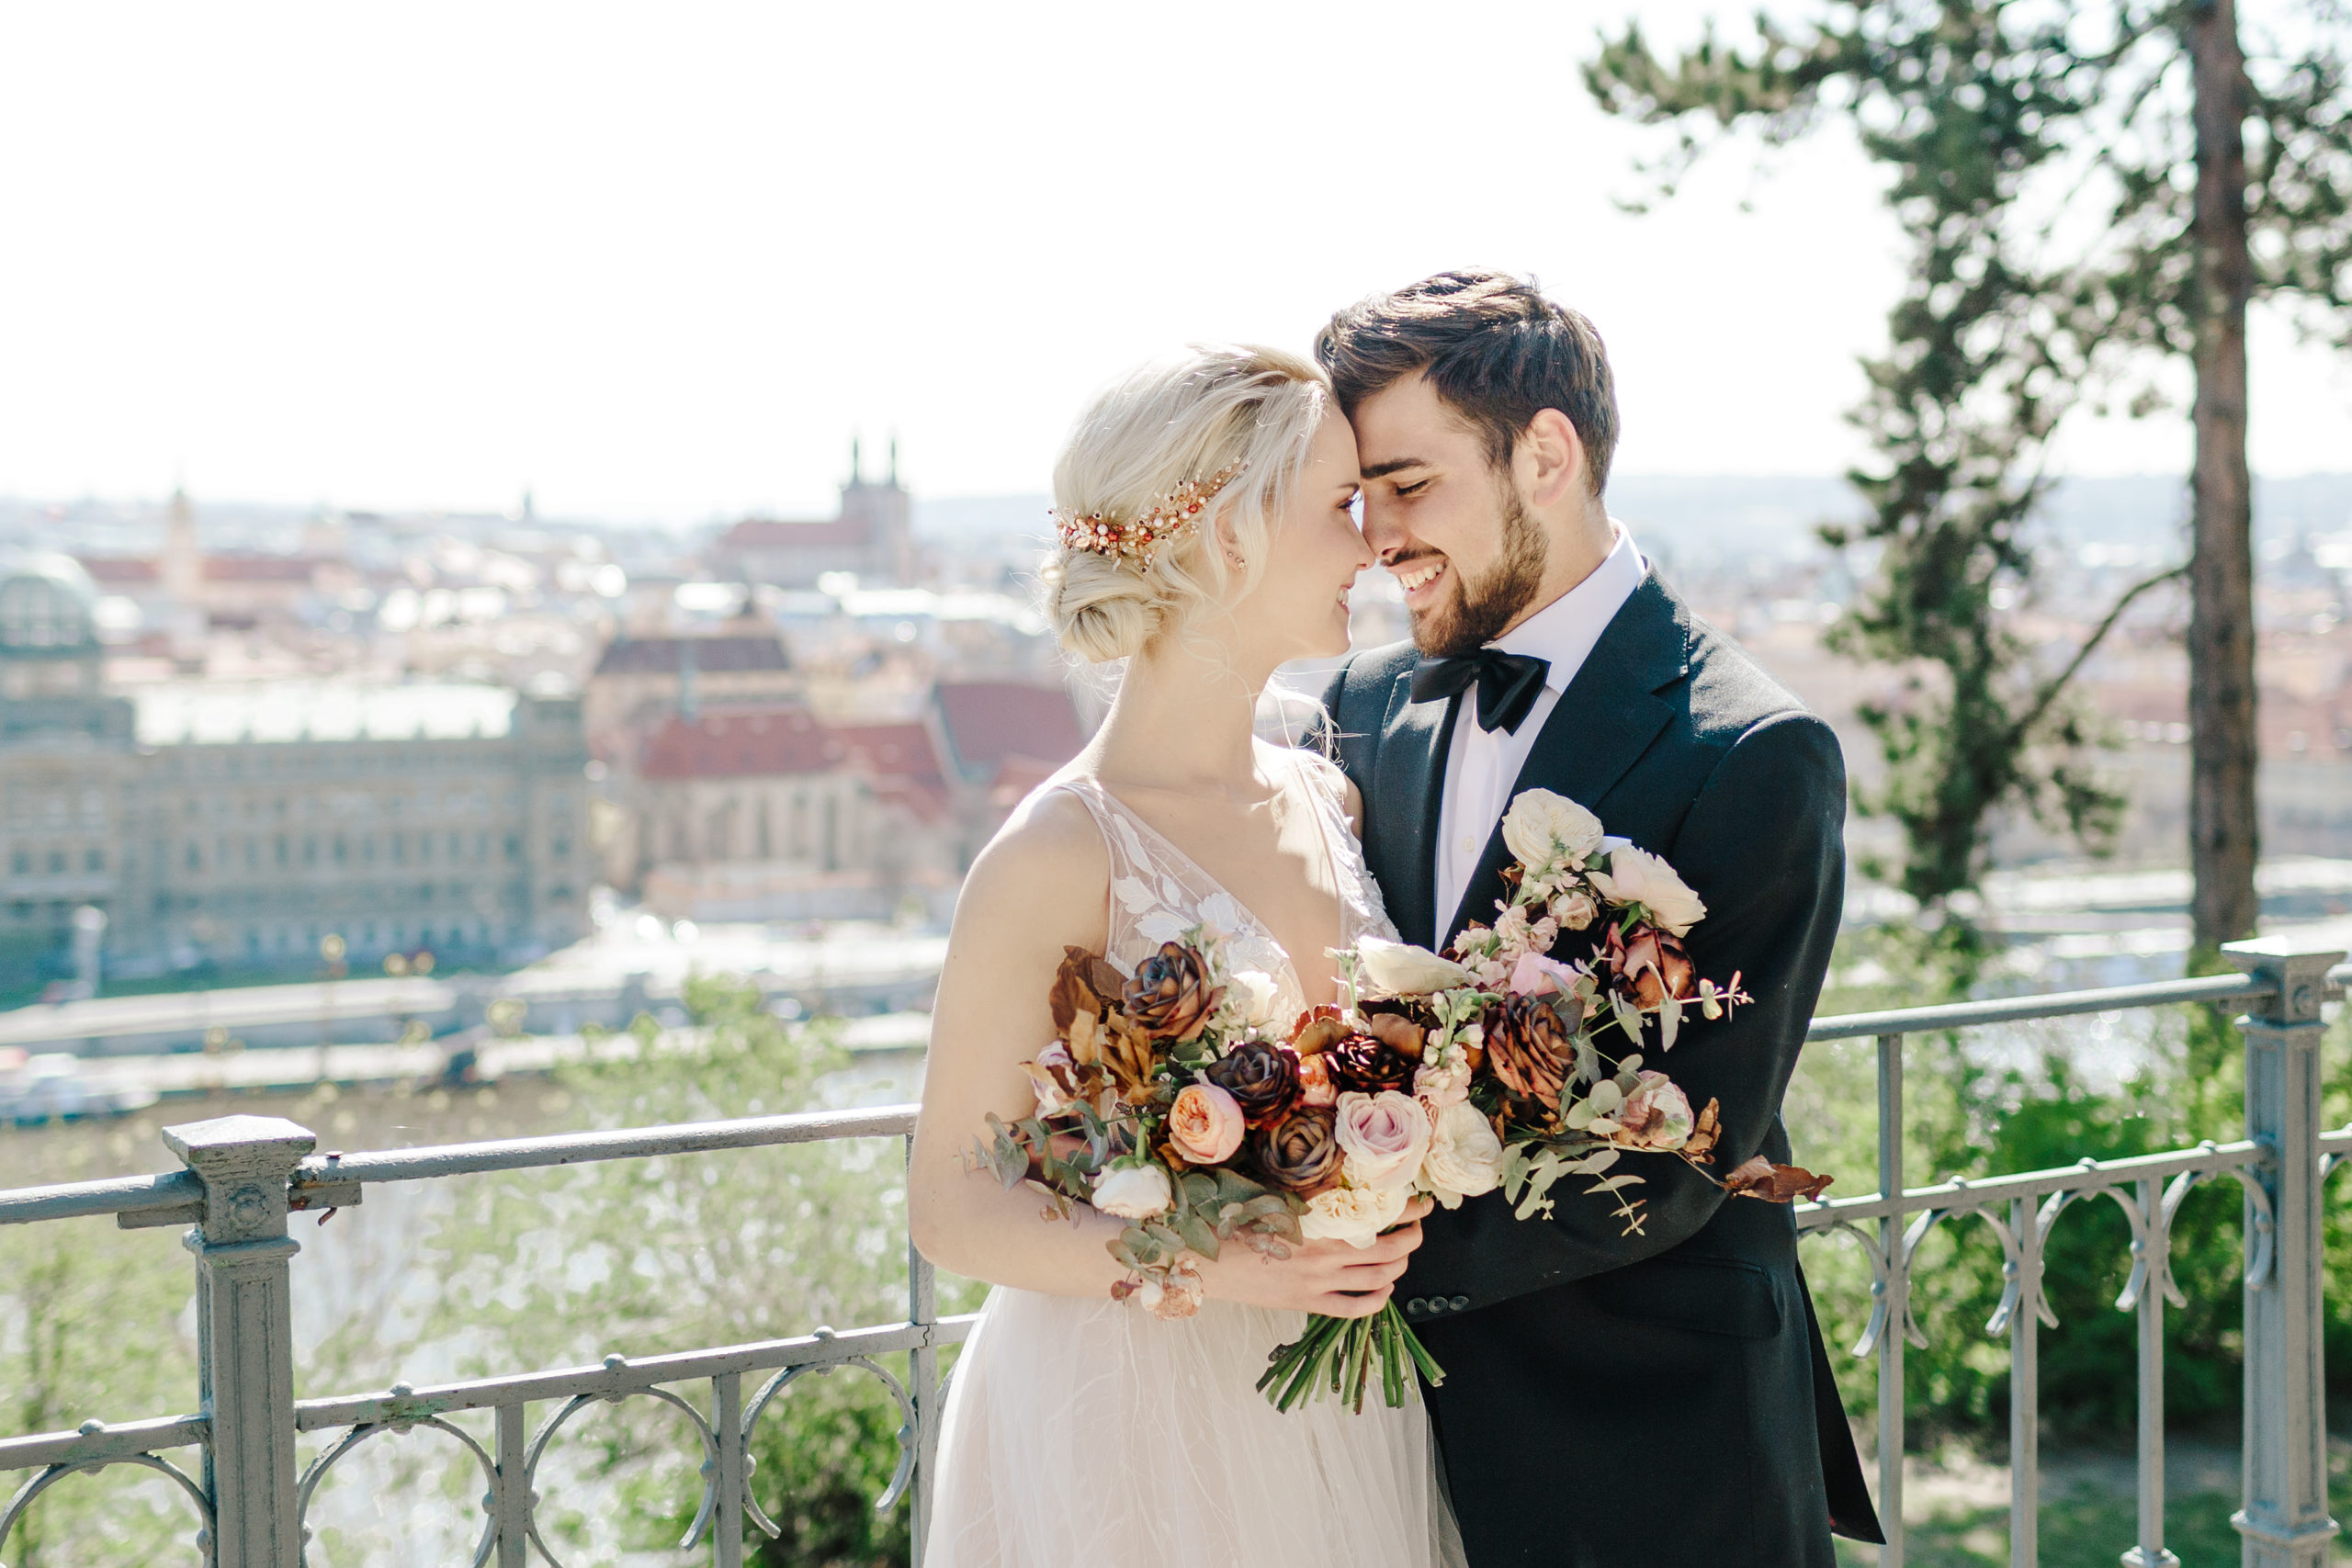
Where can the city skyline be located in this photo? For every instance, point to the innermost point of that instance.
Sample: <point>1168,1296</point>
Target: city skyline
<point>661,274</point>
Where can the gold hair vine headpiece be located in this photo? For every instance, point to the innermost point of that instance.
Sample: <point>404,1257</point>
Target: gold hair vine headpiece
<point>1143,536</point>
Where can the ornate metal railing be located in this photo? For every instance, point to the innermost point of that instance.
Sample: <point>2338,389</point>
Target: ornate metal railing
<point>243,1176</point>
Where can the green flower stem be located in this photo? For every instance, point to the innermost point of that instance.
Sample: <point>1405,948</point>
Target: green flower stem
<point>1336,1355</point>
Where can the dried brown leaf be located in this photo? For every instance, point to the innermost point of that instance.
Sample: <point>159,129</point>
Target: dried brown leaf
<point>1759,1178</point>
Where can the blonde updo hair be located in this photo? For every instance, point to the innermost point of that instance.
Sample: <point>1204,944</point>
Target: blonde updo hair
<point>1183,417</point>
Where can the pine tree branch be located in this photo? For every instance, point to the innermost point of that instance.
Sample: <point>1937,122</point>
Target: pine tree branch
<point>2056,685</point>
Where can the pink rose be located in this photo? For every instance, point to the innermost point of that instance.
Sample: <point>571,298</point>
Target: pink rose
<point>1656,1115</point>
<point>1534,974</point>
<point>1314,1085</point>
<point>1384,1136</point>
<point>1206,1123</point>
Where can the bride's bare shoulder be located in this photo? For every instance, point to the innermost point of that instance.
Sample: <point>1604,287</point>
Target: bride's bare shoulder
<point>1049,854</point>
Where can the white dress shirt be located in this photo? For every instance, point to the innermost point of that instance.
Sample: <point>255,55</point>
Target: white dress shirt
<point>1482,764</point>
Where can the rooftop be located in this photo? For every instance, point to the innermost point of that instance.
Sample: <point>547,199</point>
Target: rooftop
<point>728,654</point>
<point>215,713</point>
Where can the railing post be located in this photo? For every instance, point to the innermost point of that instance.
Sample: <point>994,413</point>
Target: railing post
<point>2285,1522</point>
<point>923,1387</point>
<point>1898,1285</point>
<point>244,1331</point>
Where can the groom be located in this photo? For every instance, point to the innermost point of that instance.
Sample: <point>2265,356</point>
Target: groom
<point>1610,1401</point>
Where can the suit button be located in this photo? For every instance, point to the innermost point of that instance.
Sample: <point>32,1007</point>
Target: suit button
<point>1416,1307</point>
<point>1458,1303</point>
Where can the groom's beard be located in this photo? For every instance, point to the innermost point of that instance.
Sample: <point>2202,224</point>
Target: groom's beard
<point>1480,611</point>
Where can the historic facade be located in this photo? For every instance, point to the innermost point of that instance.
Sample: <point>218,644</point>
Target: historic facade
<point>238,824</point>
<point>769,812</point>
<point>872,539</point>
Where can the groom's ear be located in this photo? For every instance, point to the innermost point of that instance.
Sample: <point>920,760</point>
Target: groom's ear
<point>1550,458</point>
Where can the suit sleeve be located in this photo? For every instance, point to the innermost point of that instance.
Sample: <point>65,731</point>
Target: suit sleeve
<point>1762,845</point>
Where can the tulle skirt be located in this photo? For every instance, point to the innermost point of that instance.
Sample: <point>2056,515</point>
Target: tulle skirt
<point>1082,1433</point>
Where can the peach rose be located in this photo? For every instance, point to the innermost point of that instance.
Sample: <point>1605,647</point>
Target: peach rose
<point>1206,1123</point>
<point>1314,1085</point>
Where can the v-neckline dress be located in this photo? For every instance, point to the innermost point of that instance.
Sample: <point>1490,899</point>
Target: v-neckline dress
<point>1085,1433</point>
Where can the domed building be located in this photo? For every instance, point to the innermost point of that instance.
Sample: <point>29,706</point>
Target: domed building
<point>67,763</point>
<point>236,824</point>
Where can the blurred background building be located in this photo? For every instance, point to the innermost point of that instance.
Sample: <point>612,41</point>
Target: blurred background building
<point>233,732</point>
<point>230,733</point>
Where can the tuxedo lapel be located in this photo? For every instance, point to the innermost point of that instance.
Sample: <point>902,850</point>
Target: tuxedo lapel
<point>1597,730</point>
<point>1412,771</point>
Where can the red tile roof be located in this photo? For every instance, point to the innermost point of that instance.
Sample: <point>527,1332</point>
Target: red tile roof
<point>774,533</point>
<point>990,723</point>
<point>259,569</point>
<point>741,743</point>
<point>728,655</point>
<point>898,760</point>
<point>119,572</point>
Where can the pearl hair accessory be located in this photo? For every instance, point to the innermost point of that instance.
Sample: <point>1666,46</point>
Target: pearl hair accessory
<point>1142,537</point>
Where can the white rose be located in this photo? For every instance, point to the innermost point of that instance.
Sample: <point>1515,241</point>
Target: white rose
<point>1352,1214</point>
<point>1545,830</point>
<point>1404,971</point>
<point>1134,1191</point>
<point>1250,992</point>
<point>1466,1158</point>
<point>1637,876</point>
<point>1384,1134</point>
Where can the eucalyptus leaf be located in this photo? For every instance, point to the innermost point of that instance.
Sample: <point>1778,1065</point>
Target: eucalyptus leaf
<point>1198,1234</point>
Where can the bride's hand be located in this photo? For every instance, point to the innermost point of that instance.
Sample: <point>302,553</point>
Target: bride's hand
<point>1327,1276</point>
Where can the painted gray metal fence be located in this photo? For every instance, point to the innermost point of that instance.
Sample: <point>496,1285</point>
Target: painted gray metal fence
<point>243,1176</point>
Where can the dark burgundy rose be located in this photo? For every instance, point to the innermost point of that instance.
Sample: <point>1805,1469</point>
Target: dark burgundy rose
<point>1170,997</point>
<point>1262,1076</point>
<point>1364,1064</point>
<point>1300,1154</point>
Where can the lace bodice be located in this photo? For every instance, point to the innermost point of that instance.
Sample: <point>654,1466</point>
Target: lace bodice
<point>1158,892</point>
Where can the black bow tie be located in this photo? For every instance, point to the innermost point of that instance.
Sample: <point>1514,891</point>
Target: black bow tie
<point>1508,683</point>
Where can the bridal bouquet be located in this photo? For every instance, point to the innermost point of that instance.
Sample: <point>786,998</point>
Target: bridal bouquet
<point>1171,1101</point>
<point>1548,1059</point>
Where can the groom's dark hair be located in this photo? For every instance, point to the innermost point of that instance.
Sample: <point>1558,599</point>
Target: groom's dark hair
<point>1493,347</point>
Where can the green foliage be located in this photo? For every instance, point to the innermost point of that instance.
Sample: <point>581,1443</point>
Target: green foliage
<point>2000,121</point>
<point>2033,1110</point>
<point>97,1322</point>
<point>641,1256</point>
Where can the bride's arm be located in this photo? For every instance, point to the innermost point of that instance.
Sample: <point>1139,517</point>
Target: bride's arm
<point>1040,886</point>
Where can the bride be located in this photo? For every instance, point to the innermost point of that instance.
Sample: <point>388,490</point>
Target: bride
<point>1080,1432</point>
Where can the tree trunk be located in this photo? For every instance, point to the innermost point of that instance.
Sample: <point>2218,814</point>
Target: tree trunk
<point>2222,741</point>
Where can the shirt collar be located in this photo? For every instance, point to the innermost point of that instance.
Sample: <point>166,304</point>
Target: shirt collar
<point>1565,632</point>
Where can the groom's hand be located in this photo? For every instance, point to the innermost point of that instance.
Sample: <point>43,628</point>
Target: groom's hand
<point>1333,1278</point>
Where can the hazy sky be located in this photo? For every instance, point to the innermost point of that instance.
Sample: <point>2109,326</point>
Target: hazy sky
<point>662,261</point>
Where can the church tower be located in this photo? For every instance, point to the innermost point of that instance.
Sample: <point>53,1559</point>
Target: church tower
<point>884,515</point>
<point>182,567</point>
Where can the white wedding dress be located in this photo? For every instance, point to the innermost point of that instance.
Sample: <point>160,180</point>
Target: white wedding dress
<point>1084,1433</point>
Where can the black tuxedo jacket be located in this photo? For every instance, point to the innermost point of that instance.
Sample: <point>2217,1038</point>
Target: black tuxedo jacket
<point>1659,1399</point>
